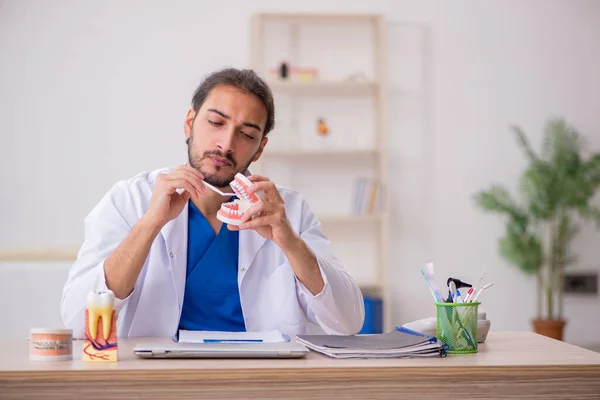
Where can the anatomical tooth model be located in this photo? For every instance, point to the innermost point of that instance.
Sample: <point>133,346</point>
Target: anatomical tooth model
<point>232,212</point>
<point>100,342</point>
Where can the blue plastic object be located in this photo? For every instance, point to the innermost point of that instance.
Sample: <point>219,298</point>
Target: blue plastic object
<point>373,315</point>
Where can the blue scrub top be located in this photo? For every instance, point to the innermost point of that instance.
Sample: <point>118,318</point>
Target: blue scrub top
<point>211,301</point>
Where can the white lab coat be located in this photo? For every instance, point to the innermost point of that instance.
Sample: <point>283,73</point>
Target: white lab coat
<point>271,296</point>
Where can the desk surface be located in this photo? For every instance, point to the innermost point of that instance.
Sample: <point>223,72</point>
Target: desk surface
<point>519,364</point>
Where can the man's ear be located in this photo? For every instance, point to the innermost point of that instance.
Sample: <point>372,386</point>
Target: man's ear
<point>187,124</point>
<point>263,143</point>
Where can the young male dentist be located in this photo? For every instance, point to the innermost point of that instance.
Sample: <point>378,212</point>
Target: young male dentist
<point>173,265</point>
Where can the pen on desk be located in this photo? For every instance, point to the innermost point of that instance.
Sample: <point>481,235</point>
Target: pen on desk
<point>232,341</point>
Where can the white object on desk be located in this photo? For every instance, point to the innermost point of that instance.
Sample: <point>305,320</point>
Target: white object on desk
<point>425,325</point>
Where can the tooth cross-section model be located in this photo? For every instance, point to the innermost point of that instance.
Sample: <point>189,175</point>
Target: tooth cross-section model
<point>232,212</point>
<point>100,342</point>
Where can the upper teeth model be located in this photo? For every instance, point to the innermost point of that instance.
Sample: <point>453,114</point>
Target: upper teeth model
<point>231,212</point>
<point>100,304</point>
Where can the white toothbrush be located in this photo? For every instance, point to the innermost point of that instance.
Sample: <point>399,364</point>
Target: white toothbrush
<point>481,290</point>
<point>454,295</point>
<point>214,189</point>
<point>428,273</point>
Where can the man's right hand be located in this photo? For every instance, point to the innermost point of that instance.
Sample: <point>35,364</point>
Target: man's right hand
<point>166,203</point>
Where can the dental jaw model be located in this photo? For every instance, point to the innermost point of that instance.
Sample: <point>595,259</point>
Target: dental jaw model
<point>100,343</point>
<point>232,212</point>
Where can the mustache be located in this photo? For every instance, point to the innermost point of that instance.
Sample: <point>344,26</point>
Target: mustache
<point>227,156</point>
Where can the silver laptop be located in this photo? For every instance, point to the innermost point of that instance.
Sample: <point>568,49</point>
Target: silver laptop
<point>221,350</point>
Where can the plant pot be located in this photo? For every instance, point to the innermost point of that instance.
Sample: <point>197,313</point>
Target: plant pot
<point>552,328</point>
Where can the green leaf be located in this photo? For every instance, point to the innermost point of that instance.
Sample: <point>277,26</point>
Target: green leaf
<point>497,199</point>
<point>539,186</point>
<point>561,145</point>
<point>524,144</point>
<point>590,171</point>
<point>521,248</point>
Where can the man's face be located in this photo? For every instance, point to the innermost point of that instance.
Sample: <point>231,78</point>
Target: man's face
<point>225,136</point>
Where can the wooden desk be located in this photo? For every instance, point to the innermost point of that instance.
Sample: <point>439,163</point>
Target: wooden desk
<point>519,365</point>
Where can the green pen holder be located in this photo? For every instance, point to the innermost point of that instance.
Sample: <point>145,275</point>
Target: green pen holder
<point>456,325</point>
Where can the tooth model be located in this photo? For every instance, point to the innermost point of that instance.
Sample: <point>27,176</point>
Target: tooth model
<point>232,212</point>
<point>100,343</point>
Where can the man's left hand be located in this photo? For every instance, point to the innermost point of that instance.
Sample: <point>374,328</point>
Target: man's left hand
<point>270,219</point>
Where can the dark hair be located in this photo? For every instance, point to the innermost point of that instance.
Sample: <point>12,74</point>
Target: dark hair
<point>244,79</point>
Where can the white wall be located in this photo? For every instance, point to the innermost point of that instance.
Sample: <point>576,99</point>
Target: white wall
<point>109,76</point>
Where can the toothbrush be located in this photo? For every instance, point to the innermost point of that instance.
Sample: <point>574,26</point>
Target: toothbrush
<point>485,287</point>
<point>473,289</point>
<point>428,272</point>
<point>454,296</point>
<point>214,189</point>
<point>431,289</point>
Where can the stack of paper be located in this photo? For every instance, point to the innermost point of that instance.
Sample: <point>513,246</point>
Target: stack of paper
<point>231,337</point>
<point>400,343</point>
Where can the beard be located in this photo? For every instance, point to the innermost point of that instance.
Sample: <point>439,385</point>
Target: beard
<point>196,163</point>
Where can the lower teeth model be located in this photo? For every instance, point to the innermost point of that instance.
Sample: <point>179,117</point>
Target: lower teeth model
<point>232,212</point>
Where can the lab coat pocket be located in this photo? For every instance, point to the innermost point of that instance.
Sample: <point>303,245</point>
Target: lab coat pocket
<point>281,298</point>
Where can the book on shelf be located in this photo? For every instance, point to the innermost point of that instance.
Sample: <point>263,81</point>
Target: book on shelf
<point>367,196</point>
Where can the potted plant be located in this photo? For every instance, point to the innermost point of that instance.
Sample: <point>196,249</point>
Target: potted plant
<point>556,187</point>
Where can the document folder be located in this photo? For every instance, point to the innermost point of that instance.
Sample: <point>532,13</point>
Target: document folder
<point>399,343</point>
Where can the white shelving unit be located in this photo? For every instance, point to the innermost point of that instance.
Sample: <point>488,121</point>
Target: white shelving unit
<point>329,43</point>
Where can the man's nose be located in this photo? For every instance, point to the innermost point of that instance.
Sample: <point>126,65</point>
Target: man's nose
<point>226,141</point>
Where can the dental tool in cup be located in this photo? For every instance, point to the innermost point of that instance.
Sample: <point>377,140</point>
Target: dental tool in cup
<point>481,290</point>
<point>458,284</point>
<point>481,280</point>
<point>453,314</point>
<point>453,295</point>
<point>470,293</point>
<point>473,289</point>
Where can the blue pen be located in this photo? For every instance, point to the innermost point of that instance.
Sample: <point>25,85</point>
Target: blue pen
<point>232,340</point>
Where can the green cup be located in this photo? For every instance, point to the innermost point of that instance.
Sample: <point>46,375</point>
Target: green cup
<point>456,325</point>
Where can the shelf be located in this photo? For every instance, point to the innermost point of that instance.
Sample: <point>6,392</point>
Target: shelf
<point>308,93</point>
<point>307,153</point>
<point>348,218</point>
<point>317,17</point>
<point>24,255</point>
<point>327,88</point>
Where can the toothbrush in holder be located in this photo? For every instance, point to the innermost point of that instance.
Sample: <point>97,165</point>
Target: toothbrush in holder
<point>481,290</point>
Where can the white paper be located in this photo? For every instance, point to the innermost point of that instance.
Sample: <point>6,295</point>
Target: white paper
<point>231,337</point>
